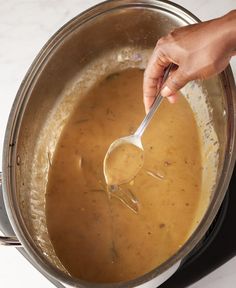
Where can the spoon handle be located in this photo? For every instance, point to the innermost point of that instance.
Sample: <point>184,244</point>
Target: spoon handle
<point>155,105</point>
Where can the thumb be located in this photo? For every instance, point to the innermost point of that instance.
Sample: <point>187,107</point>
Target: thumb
<point>174,82</point>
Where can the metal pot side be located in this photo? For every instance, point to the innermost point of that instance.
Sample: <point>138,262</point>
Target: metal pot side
<point>109,25</point>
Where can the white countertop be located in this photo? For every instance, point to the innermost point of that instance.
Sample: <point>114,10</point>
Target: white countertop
<point>25,25</point>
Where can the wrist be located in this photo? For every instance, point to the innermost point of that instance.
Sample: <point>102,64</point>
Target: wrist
<point>228,24</point>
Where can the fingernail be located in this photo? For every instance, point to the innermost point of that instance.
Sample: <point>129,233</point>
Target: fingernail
<point>147,110</point>
<point>171,99</point>
<point>165,92</point>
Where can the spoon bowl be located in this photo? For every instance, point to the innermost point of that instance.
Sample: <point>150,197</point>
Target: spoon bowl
<point>123,161</point>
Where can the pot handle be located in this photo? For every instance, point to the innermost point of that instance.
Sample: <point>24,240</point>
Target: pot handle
<point>7,240</point>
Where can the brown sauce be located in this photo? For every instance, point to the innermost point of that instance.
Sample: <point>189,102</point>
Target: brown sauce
<point>96,237</point>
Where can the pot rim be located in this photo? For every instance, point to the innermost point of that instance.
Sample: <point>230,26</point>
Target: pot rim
<point>14,123</point>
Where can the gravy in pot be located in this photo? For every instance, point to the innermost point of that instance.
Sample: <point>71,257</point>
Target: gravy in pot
<point>96,237</point>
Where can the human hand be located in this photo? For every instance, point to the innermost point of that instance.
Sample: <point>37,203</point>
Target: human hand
<point>199,51</point>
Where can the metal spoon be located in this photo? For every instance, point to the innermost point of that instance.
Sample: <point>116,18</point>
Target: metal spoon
<point>126,176</point>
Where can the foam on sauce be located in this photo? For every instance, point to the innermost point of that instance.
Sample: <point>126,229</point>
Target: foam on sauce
<point>95,236</point>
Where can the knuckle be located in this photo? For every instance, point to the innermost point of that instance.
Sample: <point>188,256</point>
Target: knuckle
<point>174,84</point>
<point>161,41</point>
<point>174,33</point>
<point>145,75</point>
<point>149,92</point>
<point>160,46</point>
<point>178,80</point>
<point>150,83</point>
<point>161,58</point>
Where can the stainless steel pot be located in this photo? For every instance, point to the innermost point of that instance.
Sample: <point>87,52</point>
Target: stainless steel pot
<point>108,26</point>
